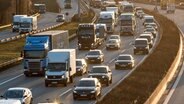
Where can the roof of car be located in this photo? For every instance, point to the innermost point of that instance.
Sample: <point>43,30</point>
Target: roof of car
<point>141,39</point>
<point>146,34</point>
<point>88,79</point>
<point>102,66</point>
<point>79,59</point>
<point>94,50</point>
<point>17,88</point>
<point>125,55</point>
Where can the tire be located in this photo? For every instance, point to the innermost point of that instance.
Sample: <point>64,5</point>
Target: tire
<point>71,79</point>
<point>65,84</point>
<point>107,48</point>
<point>111,80</point>
<point>116,67</point>
<point>27,75</point>
<point>95,97</point>
<point>107,84</point>
<point>46,84</point>
<point>31,102</point>
<point>74,98</point>
<point>135,52</point>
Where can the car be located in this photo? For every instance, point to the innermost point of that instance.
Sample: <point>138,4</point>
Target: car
<point>154,25</point>
<point>9,101</point>
<point>124,61</point>
<point>94,56</point>
<point>148,26</point>
<point>140,14</point>
<point>81,66</point>
<point>102,73</point>
<point>141,45</point>
<point>115,37</point>
<point>152,30</point>
<point>87,88</point>
<point>149,38</point>
<point>60,18</point>
<point>19,93</point>
<point>113,44</point>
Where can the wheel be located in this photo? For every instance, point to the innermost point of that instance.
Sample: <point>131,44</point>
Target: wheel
<point>71,79</point>
<point>46,84</point>
<point>107,48</point>
<point>147,51</point>
<point>111,80</point>
<point>75,98</point>
<point>107,84</point>
<point>95,97</point>
<point>27,74</point>
<point>65,84</point>
<point>116,67</point>
<point>31,102</point>
<point>135,52</point>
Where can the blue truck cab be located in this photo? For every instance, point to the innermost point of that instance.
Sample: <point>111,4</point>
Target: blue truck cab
<point>36,49</point>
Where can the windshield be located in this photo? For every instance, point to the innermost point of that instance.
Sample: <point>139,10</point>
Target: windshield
<point>34,54</point>
<point>149,20</point>
<point>125,23</point>
<point>147,37</point>
<point>94,53</point>
<point>105,20</point>
<point>140,42</point>
<point>78,63</point>
<point>128,9</point>
<point>150,29</point>
<point>86,31</point>
<point>87,83</point>
<point>114,37</point>
<point>15,23</point>
<point>99,70</point>
<point>124,58</point>
<point>14,94</point>
<point>25,25</point>
<point>56,67</point>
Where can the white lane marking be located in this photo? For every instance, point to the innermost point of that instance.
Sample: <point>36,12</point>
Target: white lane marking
<point>11,79</point>
<point>116,56</point>
<point>65,92</point>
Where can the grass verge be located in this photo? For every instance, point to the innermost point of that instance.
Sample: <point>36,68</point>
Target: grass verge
<point>141,83</point>
<point>11,50</point>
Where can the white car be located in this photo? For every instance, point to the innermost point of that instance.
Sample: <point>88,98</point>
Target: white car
<point>113,44</point>
<point>60,18</point>
<point>81,66</point>
<point>9,101</point>
<point>19,93</point>
<point>124,61</point>
<point>152,30</point>
<point>115,37</point>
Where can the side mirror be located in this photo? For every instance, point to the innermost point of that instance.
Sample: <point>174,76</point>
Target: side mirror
<point>89,72</point>
<point>97,86</point>
<point>109,71</point>
<point>2,96</point>
<point>25,96</point>
<point>74,86</point>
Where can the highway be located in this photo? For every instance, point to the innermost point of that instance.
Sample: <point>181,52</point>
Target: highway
<point>45,20</point>
<point>178,92</point>
<point>14,77</point>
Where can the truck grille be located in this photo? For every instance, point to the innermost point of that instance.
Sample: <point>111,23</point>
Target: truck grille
<point>54,77</point>
<point>34,65</point>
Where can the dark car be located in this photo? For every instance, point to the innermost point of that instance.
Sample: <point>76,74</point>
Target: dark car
<point>95,56</point>
<point>87,88</point>
<point>141,45</point>
<point>102,73</point>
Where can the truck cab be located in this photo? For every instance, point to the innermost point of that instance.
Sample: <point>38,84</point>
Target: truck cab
<point>37,47</point>
<point>108,18</point>
<point>61,66</point>
<point>16,22</point>
<point>28,24</point>
<point>128,23</point>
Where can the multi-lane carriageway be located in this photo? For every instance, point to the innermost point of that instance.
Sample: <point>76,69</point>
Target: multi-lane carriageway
<point>14,77</point>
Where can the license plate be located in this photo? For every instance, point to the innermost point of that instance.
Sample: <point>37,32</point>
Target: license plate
<point>83,95</point>
<point>34,73</point>
<point>123,65</point>
<point>92,60</point>
<point>54,82</point>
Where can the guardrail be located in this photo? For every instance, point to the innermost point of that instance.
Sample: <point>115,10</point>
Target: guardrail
<point>23,35</point>
<point>158,92</point>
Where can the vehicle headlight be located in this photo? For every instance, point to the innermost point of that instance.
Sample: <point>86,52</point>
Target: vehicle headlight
<point>79,69</point>
<point>135,47</point>
<point>62,76</point>
<point>74,91</point>
<point>86,57</point>
<point>103,76</point>
<point>93,91</point>
<point>117,63</point>
<point>98,57</point>
<point>46,77</point>
<point>92,44</point>
<point>129,63</point>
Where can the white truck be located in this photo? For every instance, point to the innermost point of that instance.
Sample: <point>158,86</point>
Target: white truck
<point>16,22</point>
<point>116,12</point>
<point>28,24</point>
<point>61,66</point>
<point>108,18</point>
<point>170,8</point>
<point>9,101</point>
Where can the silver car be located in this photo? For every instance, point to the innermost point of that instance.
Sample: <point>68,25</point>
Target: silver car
<point>19,93</point>
<point>81,66</point>
<point>124,61</point>
<point>115,37</point>
<point>113,44</point>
